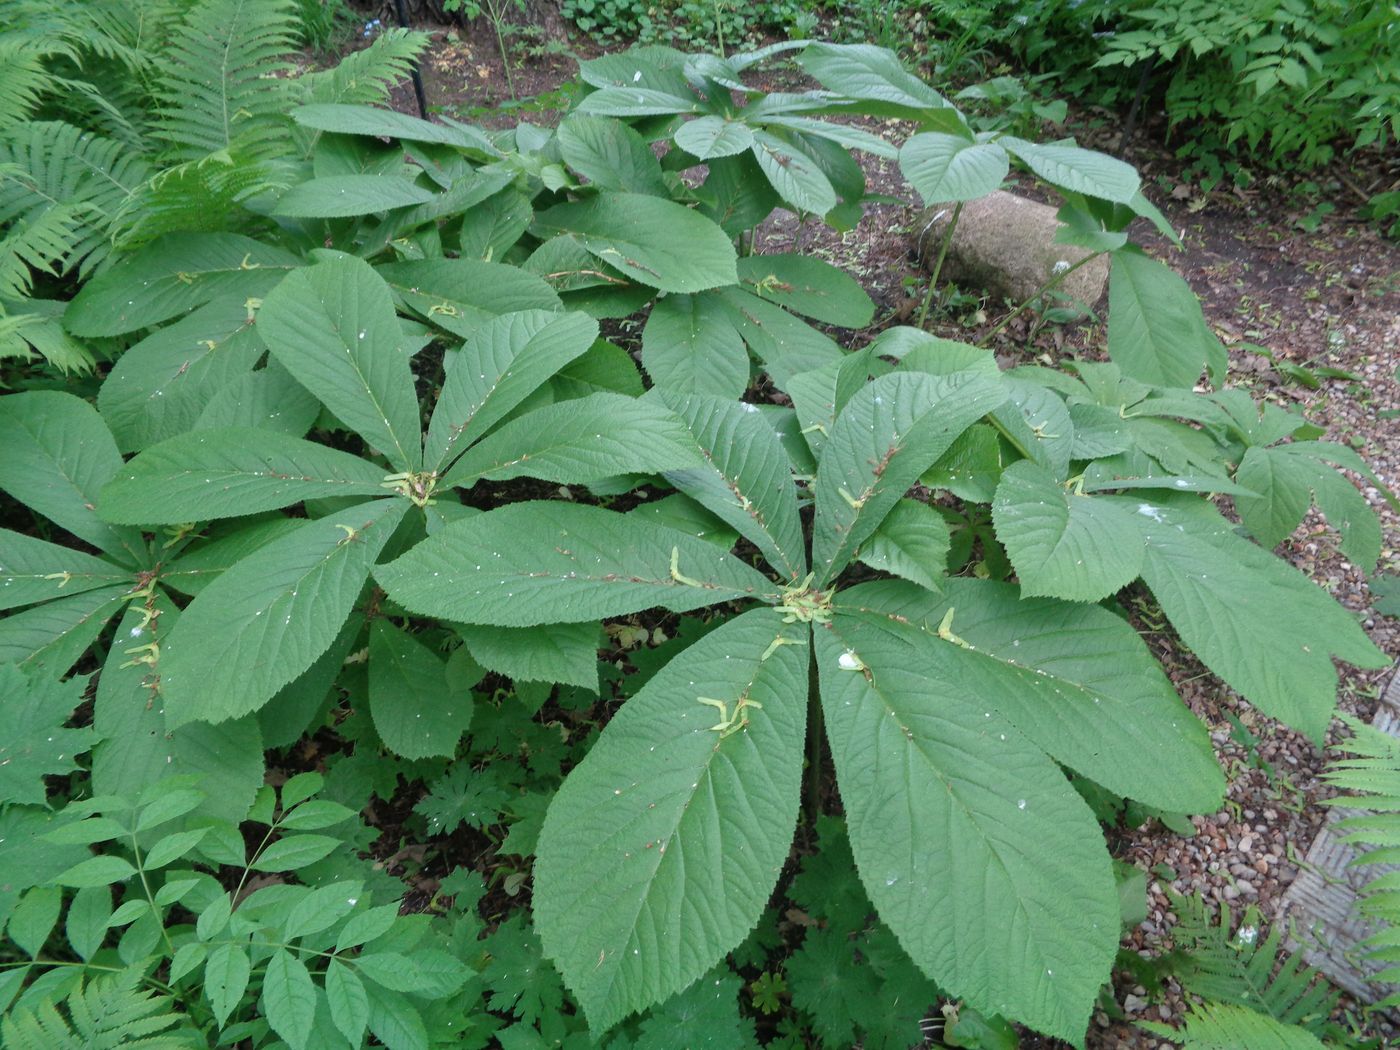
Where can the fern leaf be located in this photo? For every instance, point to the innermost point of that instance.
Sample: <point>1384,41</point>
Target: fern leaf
<point>1224,1026</point>
<point>207,194</point>
<point>223,80</point>
<point>32,326</point>
<point>23,81</point>
<point>366,77</point>
<point>106,1014</point>
<point>1245,969</point>
<point>55,169</point>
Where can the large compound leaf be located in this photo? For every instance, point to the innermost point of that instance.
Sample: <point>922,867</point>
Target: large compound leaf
<point>268,399</point>
<point>1156,331</point>
<point>57,456</point>
<point>138,749</point>
<point>36,742</point>
<point>890,432</point>
<point>416,708</point>
<point>711,136</point>
<point>663,846</point>
<point>1077,169</point>
<point>504,361</point>
<point>579,442</point>
<point>1064,544</point>
<point>264,621</point>
<point>1075,680</point>
<point>159,387</point>
<point>986,864</point>
<point>346,119</point>
<point>785,344</point>
<point>657,242</point>
<point>347,196</point>
<point>34,570</point>
<point>229,472</point>
<point>171,276</point>
<point>690,345</point>
<point>946,168</point>
<point>1252,618</point>
<point>552,562</point>
<point>333,327</point>
<point>744,477</point>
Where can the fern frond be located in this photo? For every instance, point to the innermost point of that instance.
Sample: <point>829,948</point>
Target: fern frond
<point>1224,1026</point>
<point>55,169</point>
<point>1239,967</point>
<point>40,241</point>
<point>222,79</point>
<point>366,77</point>
<point>107,1014</point>
<point>23,80</point>
<point>207,194</point>
<point>33,326</point>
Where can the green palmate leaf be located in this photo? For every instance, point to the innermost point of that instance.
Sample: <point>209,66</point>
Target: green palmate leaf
<point>540,563</point>
<point>417,710</point>
<point>346,196</point>
<point>333,327</point>
<point>657,242</point>
<point>33,570</point>
<point>1063,544</point>
<point>230,472</point>
<point>461,294</point>
<point>1156,331</point>
<point>224,545</point>
<point>559,652</point>
<point>1077,170</point>
<point>1038,425</point>
<point>490,229</point>
<point>137,749</point>
<point>159,387</point>
<point>610,155</point>
<point>743,477</point>
<point>53,636</point>
<point>947,168</point>
<point>504,361</point>
<point>581,441</point>
<point>1252,619</point>
<point>690,345</point>
<point>36,743</point>
<point>266,620</point>
<point>712,136</point>
<point>58,455</point>
<point>661,849</point>
<point>1287,479</point>
<point>808,286</point>
<point>268,399</point>
<point>1075,680</point>
<point>912,542</point>
<point>996,883</point>
<point>889,433</point>
<point>796,177</point>
<point>171,276</point>
<point>289,998</point>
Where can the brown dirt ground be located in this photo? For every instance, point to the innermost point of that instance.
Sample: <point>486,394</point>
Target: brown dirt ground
<point>1329,296</point>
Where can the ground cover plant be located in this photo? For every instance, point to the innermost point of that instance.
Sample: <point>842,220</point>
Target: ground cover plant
<point>365,480</point>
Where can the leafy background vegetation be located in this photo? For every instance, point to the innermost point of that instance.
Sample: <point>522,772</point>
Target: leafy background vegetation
<point>343,526</point>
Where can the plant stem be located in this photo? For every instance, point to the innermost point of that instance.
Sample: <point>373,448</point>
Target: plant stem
<point>497,16</point>
<point>1054,280</point>
<point>938,265</point>
<point>719,28</point>
<point>816,730</point>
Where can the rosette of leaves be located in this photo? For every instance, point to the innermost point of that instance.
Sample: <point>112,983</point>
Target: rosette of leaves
<point>949,704</point>
<point>289,586</point>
